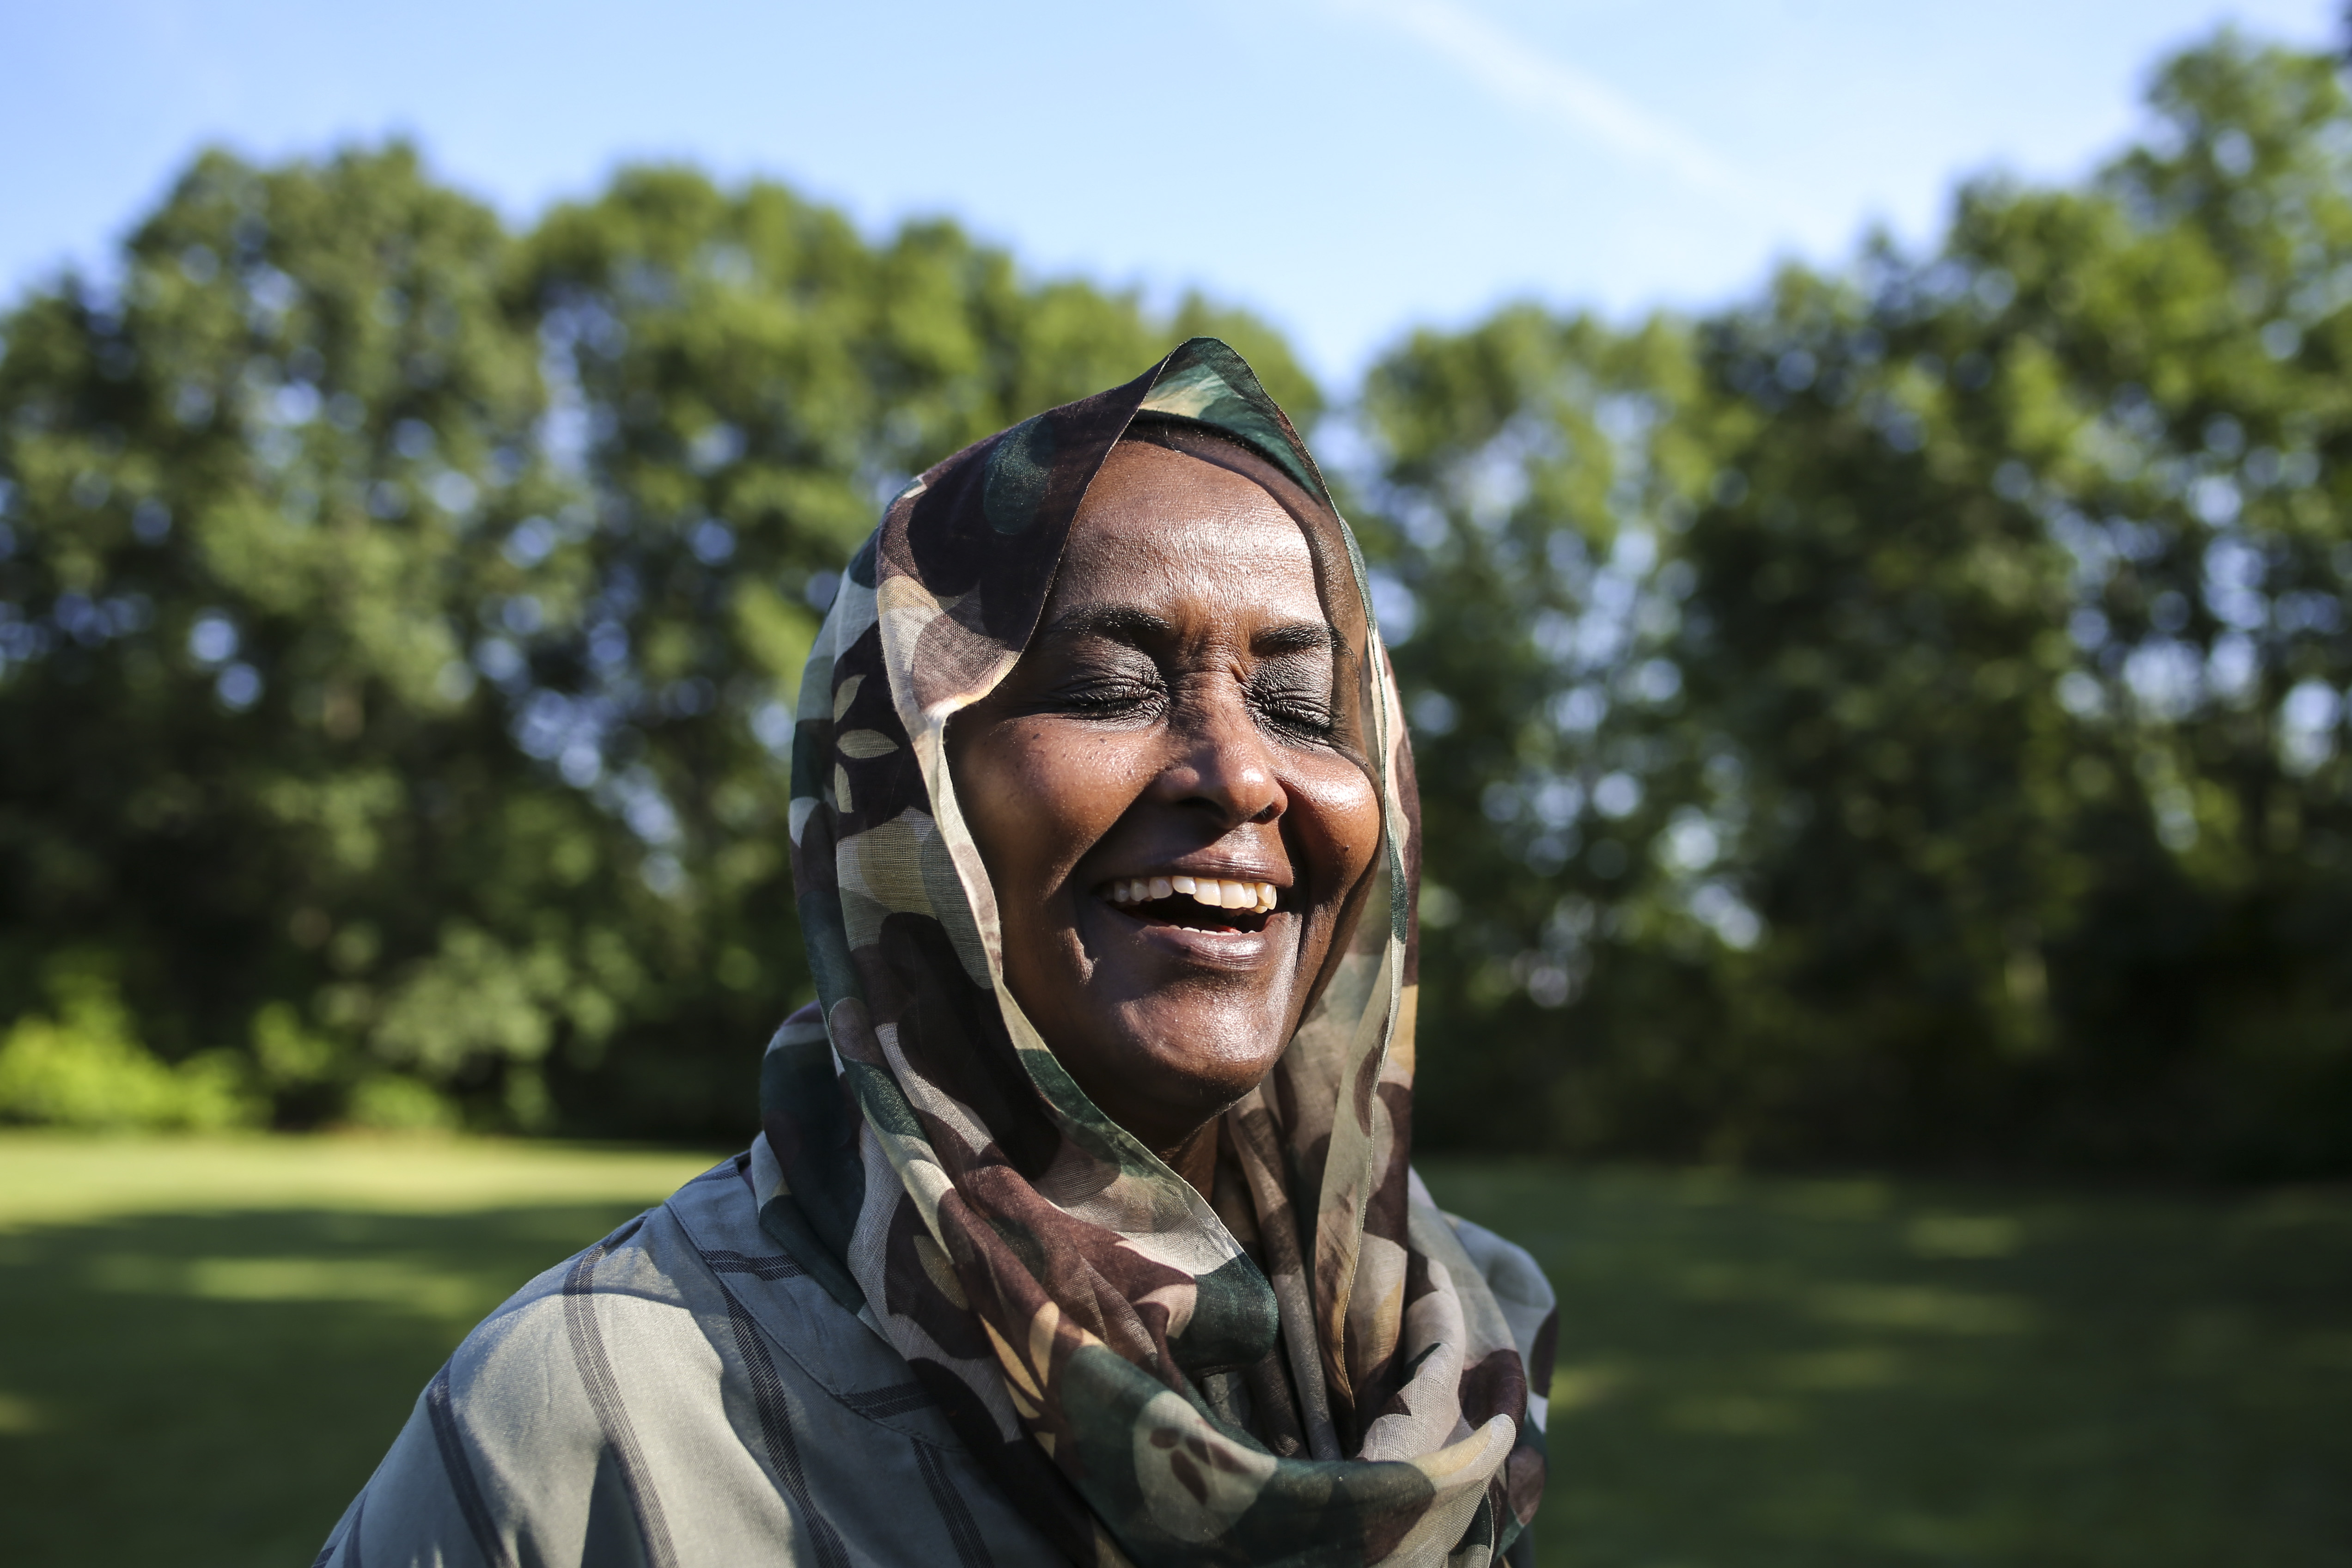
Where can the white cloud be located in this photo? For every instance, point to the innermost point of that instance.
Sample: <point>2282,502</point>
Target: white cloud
<point>1516,71</point>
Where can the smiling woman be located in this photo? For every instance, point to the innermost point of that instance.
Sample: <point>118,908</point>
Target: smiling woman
<point>1081,1227</point>
<point>1168,792</point>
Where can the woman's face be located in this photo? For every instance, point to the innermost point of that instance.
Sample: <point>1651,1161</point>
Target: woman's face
<point>1172,722</point>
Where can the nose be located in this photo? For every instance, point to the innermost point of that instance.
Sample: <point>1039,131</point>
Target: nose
<point>1220,761</point>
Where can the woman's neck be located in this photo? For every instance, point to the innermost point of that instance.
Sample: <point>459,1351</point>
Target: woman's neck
<point>1195,1159</point>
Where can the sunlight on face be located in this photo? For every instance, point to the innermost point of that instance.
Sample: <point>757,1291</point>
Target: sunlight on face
<point>1166,794</point>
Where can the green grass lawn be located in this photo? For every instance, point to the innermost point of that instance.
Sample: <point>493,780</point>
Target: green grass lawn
<point>208,1344</point>
<point>1758,1373</point>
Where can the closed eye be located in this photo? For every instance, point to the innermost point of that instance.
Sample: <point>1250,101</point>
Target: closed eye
<point>1111,699</point>
<point>1295,706</point>
<point>1300,723</point>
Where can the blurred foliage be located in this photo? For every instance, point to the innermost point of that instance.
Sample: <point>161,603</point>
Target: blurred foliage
<point>399,621</point>
<point>1901,717</point>
<point>1897,717</point>
<point>85,1068</point>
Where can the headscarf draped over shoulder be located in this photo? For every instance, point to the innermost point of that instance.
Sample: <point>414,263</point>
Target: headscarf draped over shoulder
<point>1138,1383</point>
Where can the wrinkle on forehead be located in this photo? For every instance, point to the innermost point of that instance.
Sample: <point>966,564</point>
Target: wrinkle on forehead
<point>1164,528</point>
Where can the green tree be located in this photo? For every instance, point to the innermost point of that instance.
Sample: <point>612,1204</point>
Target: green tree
<point>1532,468</point>
<point>398,621</point>
<point>1944,762</point>
<point>1899,716</point>
<point>738,382</point>
<point>254,492</point>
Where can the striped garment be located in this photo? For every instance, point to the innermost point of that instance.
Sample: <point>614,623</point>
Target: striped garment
<point>685,1392</point>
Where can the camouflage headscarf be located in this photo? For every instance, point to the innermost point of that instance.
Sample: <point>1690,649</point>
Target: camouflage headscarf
<point>1141,1387</point>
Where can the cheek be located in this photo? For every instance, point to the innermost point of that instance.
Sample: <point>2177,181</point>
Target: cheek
<point>1037,800</point>
<point>1339,813</point>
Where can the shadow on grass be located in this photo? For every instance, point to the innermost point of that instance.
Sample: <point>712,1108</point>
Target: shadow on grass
<point>1756,1374</point>
<point>1753,1374</point>
<point>214,1389</point>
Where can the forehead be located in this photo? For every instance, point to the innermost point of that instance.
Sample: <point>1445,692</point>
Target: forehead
<point>1165,531</point>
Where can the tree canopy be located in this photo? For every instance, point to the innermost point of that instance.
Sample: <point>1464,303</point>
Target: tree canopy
<point>401,617</point>
<point>1897,715</point>
<point>1900,717</point>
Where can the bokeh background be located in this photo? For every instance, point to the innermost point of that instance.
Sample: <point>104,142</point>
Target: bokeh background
<point>1861,499</point>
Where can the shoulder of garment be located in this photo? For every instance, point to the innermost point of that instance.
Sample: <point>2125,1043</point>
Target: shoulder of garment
<point>680,1393</point>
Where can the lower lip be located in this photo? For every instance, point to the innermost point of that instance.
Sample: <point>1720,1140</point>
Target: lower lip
<point>1219,949</point>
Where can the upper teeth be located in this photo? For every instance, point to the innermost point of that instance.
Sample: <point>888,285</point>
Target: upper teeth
<point>1208,890</point>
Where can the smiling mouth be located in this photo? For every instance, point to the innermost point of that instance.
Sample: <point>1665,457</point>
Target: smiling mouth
<point>1190,903</point>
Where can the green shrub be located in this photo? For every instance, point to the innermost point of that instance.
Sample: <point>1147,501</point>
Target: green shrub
<point>391,1103</point>
<point>85,1069</point>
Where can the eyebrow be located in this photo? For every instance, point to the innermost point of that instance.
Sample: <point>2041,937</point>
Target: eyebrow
<point>1299,637</point>
<point>1115,623</point>
<point>1127,624</point>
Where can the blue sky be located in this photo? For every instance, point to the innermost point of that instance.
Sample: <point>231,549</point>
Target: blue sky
<point>1349,168</point>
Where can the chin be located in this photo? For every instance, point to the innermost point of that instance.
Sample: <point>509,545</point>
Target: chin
<point>1166,1025</point>
<point>1191,1061</point>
